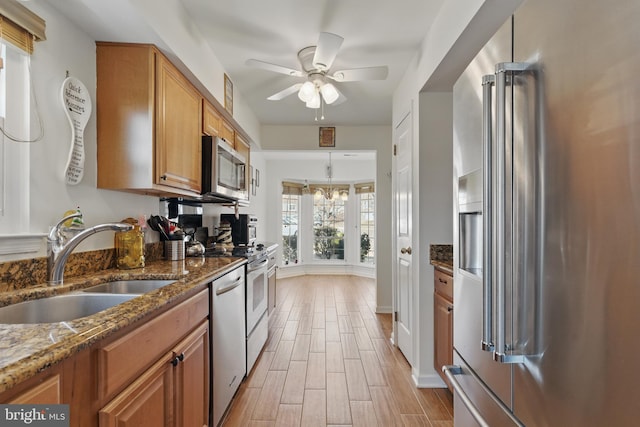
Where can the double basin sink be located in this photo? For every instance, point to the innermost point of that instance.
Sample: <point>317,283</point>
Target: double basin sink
<point>76,305</point>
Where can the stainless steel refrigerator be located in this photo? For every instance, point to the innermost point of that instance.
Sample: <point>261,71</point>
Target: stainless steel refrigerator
<point>547,234</point>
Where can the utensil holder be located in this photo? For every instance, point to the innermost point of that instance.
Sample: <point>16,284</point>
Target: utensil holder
<point>173,250</point>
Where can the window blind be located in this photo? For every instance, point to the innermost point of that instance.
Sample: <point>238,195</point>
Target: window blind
<point>292,188</point>
<point>365,187</point>
<point>19,26</point>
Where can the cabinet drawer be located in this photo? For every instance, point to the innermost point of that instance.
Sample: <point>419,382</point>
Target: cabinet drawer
<point>443,284</point>
<point>120,361</point>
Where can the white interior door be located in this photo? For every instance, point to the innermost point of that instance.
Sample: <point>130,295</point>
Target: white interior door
<point>403,267</point>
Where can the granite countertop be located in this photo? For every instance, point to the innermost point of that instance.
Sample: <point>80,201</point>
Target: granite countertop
<point>445,266</point>
<point>26,349</point>
<point>441,257</point>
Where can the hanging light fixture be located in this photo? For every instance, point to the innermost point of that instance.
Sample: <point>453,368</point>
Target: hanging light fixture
<point>315,90</point>
<point>330,193</point>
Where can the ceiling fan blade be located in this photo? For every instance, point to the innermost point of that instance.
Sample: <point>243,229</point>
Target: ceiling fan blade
<point>273,67</point>
<point>326,50</point>
<point>285,92</point>
<point>355,74</point>
<point>341,98</point>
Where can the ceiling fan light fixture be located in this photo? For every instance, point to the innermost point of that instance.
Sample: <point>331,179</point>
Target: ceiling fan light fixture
<point>314,102</point>
<point>307,92</point>
<point>329,93</point>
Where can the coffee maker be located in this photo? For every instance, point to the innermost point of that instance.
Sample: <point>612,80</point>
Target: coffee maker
<point>243,228</point>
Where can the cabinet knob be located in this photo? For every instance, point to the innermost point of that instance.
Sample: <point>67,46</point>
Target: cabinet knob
<point>163,177</point>
<point>181,357</point>
<point>449,309</point>
<point>442,281</point>
<point>175,361</point>
<point>406,250</point>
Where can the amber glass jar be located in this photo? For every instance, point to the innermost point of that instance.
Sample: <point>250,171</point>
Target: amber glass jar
<point>130,247</point>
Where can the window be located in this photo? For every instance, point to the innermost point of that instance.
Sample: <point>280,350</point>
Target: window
<point>367,227</point>
<point>336,230</point>
<point>291,195</point>
<point>290,222</point>
<point>14,156</point>
<point>328,228</point>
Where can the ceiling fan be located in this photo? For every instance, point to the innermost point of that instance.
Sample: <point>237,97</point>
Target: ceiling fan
<point>316,62</point>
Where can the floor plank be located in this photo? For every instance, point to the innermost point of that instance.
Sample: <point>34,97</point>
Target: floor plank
<point>294,384</point>
<point>356,380</point>
<point>282,356</point>
<point>266,408</point>
<point>301,347</point>
<point>385,406</point>
<point>363,414</point>
<point>338,411</point>
<point>289,415</point>
<point>334,360</point>
<point>329,361</point>
<point>314,409</point>
<point>316,371</point>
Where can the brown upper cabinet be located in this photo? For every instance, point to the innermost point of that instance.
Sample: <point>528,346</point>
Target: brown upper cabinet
<point>228,133</point>
<point>211,119</point>
<point>149,123</point>
<point>243,147</point>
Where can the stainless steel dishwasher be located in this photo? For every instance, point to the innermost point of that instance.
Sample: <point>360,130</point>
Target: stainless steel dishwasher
<point>228,345</point>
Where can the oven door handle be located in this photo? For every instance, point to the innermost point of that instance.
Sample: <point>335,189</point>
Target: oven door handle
<point>225,289</point>
<point>259,266</point>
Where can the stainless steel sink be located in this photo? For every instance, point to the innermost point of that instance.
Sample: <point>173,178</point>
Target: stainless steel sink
<point>129,286</point>
<point>60,308</point>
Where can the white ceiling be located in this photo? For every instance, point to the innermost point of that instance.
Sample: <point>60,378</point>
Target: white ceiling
<point>375,32</point>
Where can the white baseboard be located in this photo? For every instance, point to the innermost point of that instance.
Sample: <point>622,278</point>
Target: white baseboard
<point>330,269</point>
<point>384,309</point>
<point>428,381</point>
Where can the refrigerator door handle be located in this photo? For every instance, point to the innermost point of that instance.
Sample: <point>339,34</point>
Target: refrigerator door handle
<point>502,349</point>
<point>487,214</point>
<point>450,371</point>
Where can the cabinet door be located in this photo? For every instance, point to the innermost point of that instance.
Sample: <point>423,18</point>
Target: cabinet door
<point>148,402</point>
<point>244,148</point>
<point>192,379</point>
<point>179,126</point>
<point>211,120</point>
<point>443,334</point>
<point>228,133</point>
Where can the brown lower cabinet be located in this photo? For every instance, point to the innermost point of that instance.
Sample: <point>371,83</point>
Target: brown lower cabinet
<point>443,322</point>
<point>169,393</point>
<point>153,373</point>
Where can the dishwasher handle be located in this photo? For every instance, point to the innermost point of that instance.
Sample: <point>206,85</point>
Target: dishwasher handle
<point>227,288</point>
<point>258,266</point>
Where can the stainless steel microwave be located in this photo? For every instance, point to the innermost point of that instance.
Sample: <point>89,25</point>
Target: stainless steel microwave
<point>223,170</point>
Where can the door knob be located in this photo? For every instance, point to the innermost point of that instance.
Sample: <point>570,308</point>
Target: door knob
<point>406,250</point>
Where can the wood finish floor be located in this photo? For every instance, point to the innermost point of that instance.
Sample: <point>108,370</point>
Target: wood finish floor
<point>328,361</point>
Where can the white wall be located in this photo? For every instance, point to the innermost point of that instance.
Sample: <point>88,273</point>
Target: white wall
<point>376,138</point>
<point>435,206</point>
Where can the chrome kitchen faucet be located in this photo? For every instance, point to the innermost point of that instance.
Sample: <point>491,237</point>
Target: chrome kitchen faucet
<point>59,249</point>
